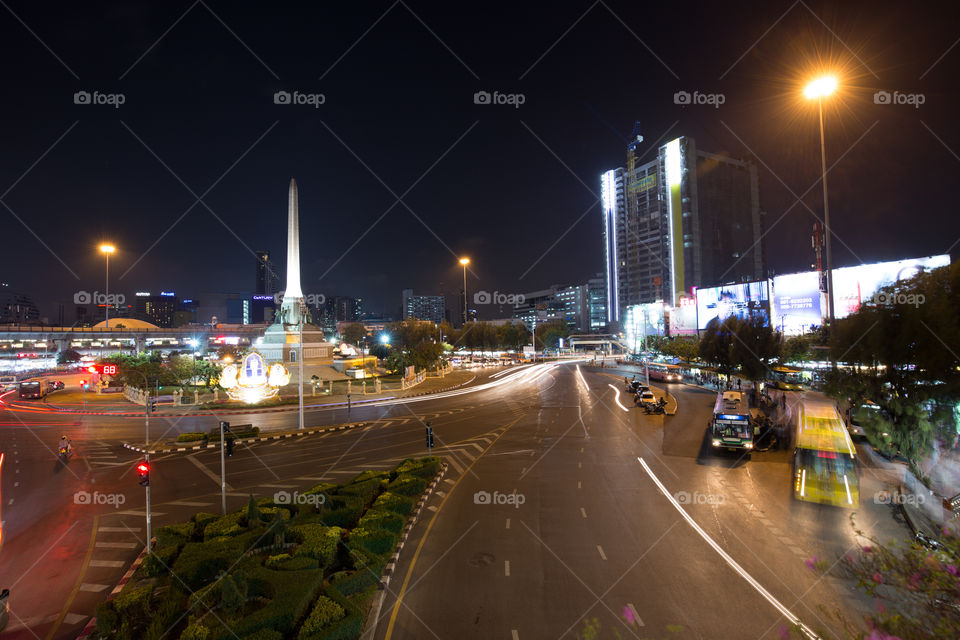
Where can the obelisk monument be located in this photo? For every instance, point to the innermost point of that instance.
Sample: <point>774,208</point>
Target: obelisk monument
<point>282,340</point>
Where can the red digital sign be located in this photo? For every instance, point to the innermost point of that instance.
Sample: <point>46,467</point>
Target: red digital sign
<point>109,369</point>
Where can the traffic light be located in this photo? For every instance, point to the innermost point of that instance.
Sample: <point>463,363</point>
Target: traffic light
<point>429,437</point>
<point>143,470</point>
<point>92,368</point>
<point>83,384</point>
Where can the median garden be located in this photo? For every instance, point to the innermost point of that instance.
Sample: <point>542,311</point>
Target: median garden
<point>304,566</point>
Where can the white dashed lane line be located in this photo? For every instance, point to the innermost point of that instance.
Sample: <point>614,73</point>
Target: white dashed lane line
<point>602,554</point>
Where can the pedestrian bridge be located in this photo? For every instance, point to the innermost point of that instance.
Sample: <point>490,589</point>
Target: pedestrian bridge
<point>607,343</point>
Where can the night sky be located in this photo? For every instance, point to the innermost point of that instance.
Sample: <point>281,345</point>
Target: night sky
<point>516,189</point>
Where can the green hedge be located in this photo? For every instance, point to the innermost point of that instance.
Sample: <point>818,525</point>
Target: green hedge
<point>291,592</point>
<point>347,628</point>
<point>366,576</point>
<point>408,485</point>
<point>159,561</point>
<point>200,563</point>
<point>376,541</point>
<point>389,501</point>
<point>325,612</point>
<point>382,519</point>
<point>228,525</point>
<point>191,436</point>
<point>316,541</point>
<point>420,467</point>
<point>127,615</point>
<point>175,534</point>
<point>264,634</point>
<point>202,519</point>
<point>166,615</point>
<point>367,489</point>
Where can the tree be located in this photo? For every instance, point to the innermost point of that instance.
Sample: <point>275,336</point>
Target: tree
<point>684,348</point>
<point>68,356</point>
<point>747,345</point>
<point>716,345</point>
<point>550,333</point>
<point>352,332</point>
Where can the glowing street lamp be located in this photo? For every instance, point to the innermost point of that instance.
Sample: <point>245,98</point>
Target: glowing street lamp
<point>818,89</point>
<point>384,338</point>
<point>464,261</point>
<point>107,249</point>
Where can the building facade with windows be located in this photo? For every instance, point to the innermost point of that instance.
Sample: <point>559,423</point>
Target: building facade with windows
<point>430,308</point>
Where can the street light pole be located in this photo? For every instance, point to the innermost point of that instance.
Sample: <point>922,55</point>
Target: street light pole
<point>300,359</point>
<point>826,218</point>
<point>106,250</point>
<point>465,262</point>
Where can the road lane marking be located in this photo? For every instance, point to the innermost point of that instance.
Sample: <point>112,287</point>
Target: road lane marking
<point>789,615</point>
<point>449,481</point>
<point>506,568</point>
<point>116,545</point>
<point>94,588</point>
<point>76,587</point>
<point>107,564</point>
<point>514,635</point>
<point>508,523</point>
<point>453,463</point>
<point>579,465</point>
<point>206,471</point>
<point>118,529</point>
<point>583,512</point>
<point>185,503</point>
<point>579,485</point>
<point>636,616</point>
<point>278,486</point>
<point>140,514</point>
<point>602,554</point>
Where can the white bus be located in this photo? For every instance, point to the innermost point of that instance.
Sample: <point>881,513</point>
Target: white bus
<point>731,427</point>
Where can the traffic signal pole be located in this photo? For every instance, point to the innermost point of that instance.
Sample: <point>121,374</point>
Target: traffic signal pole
<point>149,518</point>
<point>223,469</point>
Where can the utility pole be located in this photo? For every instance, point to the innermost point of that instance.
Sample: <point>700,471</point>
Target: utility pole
<point>146,457</point>
<point>300,359</point>
<point>224,426</point>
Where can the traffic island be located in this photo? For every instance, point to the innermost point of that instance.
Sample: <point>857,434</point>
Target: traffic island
<point>304,566</point>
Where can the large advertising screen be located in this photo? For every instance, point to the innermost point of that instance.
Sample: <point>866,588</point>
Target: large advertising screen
<point>743,300</point>
<point>683,317</point>
<point>797,302</point>
<point>854,285</point>
<point>641,320</point>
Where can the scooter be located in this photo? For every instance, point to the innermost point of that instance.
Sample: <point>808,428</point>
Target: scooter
<point>65,454</point>
<point>658,408</point>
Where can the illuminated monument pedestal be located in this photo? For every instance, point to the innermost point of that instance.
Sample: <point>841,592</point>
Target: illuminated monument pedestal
<point>281,341</point>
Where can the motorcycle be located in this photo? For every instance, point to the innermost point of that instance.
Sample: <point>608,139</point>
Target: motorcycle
<point>65,454</point>
<point>657,408</point>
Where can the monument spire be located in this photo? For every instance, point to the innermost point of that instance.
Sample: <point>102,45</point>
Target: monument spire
<point>293,290</point>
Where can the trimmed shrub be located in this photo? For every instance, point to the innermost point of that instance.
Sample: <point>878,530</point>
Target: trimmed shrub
<point>389,501</point>
<point>165,617</point>
<point>325,612</point>
<point>228,525</point>
<point>408,485</point>
<point>368,489</point>
<point>200,563</point>
<point>378,519</point>
<point>191,436</point>
<point>354,582</point>
<point>292,593</point>
<point>202,519</point>
<point>175,534</point>
<point>274,561</point>
<point>376,541</point>
<point>348,627</point>
<point>107,619</point>
<point>299,564</point>
<point>370,475</point>
<point>159,561</point>
<point>420,467</point>
<point>195,631</point>
<point>264,634</point>
<point>344,511</point>
<point>316,541</point>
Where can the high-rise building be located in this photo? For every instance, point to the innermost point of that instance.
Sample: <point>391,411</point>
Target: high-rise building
<point>596,287</point>
<point>431,308</point>
<point>567,304</point>
<point>264,284</point>
<point>157,309</point>
<point>340,309</point>
<point>16,308</point>
<point>685,219</point>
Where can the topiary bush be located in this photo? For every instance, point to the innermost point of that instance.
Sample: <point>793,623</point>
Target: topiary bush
<point>316,541</point>
<point>389,501</point>
<point>408,485</point>
<point>325,612</point>
<point>159,561</point>
<point>377,541</point>
<point>175,534</point>
<point>381,519</point>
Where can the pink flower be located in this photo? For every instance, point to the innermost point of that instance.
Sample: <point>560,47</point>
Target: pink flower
<point>867,549</point>
<point>628,615</point>
<point>952,569</point>
<point>812,563</point>
<point>881,609</point>
<point>877,577</point>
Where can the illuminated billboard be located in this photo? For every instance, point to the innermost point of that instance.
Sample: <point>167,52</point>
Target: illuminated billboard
<point>743,300</point>
<point>641,320</point>
<point>853,286</point>
<point>796,302</point>
<point>683,317</point>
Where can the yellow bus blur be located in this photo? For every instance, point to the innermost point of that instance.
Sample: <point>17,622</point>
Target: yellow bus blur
<point>825,459</point>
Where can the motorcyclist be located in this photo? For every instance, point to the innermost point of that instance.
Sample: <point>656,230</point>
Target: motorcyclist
<point>65,446</point>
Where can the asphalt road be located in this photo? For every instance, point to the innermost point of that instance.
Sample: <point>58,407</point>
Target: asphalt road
<point>575,528</point>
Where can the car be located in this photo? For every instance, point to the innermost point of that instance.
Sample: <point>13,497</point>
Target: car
<point>646,397</point>
<point>55,385</point>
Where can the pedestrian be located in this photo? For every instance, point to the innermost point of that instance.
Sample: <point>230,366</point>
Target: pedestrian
<point>739,384</point>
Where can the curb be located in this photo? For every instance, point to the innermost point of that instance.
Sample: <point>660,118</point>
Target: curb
<point>903,509</point>
<point>200,447</point>
<point>370,628</point>
<point>88,629</point>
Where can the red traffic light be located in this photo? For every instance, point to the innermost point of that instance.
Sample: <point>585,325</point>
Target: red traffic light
<point>143,470</point>
<point>83,383</point>
<point>92,369</point>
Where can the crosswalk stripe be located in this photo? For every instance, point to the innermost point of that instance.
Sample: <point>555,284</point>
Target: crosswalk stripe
<point>141,513</point>
<point>185,503</point>
<point>278,486</point>
<point>109,564</point>
<point>118,529</point>
<point>94,588</point>
<point>453,463</point>
<point>116,545</point>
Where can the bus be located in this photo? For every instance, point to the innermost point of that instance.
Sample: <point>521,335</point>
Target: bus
<point>33,389</point>
<point>824,461</point>
<point>664,372</point>
<point>731,427</point>
<point>786,378</point>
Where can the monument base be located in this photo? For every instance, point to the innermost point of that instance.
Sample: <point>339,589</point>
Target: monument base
<point>281,343</point>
